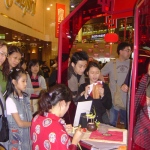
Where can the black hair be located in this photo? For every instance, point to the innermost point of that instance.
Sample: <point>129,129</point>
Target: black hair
<point>122,46</point>
<point>92,64</point>
<point>6,66</point>
<point>33,62</point>
<point>15,74</point>
<point>2,43</point>
<point>23,61</point>
<point>56,94</point>
<point>77,56</point>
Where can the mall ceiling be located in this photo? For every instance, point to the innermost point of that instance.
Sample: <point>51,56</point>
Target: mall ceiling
<point>19,39</point>
<point>74,4</point>
<point>10,35</point>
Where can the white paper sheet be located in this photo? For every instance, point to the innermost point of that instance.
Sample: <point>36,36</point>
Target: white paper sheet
<point>82,107</point>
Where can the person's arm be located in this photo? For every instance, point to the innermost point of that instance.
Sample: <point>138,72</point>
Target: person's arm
<point>106,69</point>
<point>81,93</point>
<point>42,83</point>
<point>125,85</point>
<point>11,109</point>
<point>20,123</point>
<point>107,98</point>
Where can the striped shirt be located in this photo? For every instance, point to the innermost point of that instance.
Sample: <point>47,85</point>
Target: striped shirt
<point>35,84</point>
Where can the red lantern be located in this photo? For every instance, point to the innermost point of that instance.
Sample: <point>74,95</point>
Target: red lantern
<point>101,50</point>
<point>96,55</point>
<point>90,50</point>
<point>107,55</point>
<point>111,37</point>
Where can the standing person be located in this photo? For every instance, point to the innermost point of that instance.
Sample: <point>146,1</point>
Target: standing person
<point>3,55</point>
<point>103,101</point>
<point>13,60</point>
<point>142,114</point>
<point>76,77</point>
<point>37,81</point>
<point>78,64</point>
<point>18,111</point>
<point>46,71</point>
<point>122,64</point>
<point>48,130</point>
<point>29,90</point>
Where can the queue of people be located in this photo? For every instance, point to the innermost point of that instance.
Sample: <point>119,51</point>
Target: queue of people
<point>35,120</point>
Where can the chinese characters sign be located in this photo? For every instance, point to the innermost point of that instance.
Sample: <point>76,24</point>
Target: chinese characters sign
<point>60,15</point>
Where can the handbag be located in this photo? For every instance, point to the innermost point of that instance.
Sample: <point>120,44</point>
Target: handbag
<point>4,129</point>
<point>118,99</point>
<point>117,95</point>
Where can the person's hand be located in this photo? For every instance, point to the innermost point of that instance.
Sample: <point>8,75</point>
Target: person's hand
<point>77,136</point>
<point>86,93</point>
<point>69,128</point>
<point>101,90</point>
<point>124,88</point>
<point>148,101</point>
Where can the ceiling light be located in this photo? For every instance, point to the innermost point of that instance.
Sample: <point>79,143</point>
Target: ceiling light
<point>51,4</point>
<point>7,33</point>
<point>48,8</point>
<point>72,6</point>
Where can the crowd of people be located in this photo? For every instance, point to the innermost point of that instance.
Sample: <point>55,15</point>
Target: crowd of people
<point>35,109</point>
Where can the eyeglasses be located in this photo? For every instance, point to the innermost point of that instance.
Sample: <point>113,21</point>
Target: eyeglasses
<point>3,54</point>
<point>129,51</point>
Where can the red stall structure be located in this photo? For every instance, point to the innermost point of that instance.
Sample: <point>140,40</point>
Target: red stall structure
<point>112,10</point>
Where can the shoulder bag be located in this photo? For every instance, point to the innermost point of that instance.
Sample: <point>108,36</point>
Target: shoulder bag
<point>4,129</point>
<point>117,102</point>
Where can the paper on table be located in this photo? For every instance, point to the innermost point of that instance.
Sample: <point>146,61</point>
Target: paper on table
<point>114,136</point>
<point>82,107</point>
<point>86,136</point>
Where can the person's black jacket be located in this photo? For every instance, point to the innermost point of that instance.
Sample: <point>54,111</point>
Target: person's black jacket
<point>100,105</point>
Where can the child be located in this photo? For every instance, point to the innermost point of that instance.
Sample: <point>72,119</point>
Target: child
<point>101,104</point>
<point>37,81</point>
<point>48,130</point>
<point>18,111</point>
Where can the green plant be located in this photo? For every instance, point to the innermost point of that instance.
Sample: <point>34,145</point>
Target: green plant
<point>92,116</point>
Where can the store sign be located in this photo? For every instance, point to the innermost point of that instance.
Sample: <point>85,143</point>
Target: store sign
<point>60,15</point>
<point>25,5</point>
<point>2,36</point>
<point>95,36</point>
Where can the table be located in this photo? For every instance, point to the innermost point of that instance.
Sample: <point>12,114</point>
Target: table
<point>94,144</point>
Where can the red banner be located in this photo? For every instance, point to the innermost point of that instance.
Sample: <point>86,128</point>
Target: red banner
<point>60,15</point>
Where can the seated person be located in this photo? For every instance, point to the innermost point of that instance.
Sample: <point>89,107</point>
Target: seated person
<point>103,101</point>
<point>48,130</point>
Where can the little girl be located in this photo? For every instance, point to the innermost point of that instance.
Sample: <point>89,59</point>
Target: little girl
<point>18,111</point>
<point>37,81</point>
<point>104,102</point>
